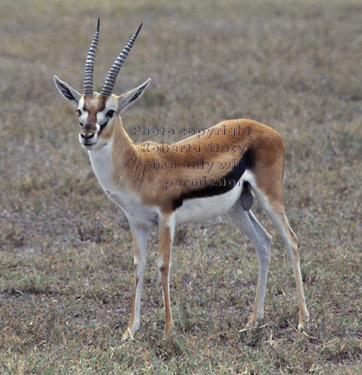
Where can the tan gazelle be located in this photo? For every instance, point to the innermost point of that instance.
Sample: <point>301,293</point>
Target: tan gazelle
<point>209,174</point>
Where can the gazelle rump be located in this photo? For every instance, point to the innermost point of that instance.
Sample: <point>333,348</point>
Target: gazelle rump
<point>206,175</point>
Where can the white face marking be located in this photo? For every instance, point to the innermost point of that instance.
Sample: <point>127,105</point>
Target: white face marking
<point>103,118</point>
<point>83,117</point>
<point>83,114</point>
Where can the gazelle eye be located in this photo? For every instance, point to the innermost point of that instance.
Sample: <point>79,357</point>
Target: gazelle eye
<point>110,113</point>
<point>79,112</point>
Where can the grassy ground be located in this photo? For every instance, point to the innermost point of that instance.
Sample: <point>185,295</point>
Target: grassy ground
<point>65,259</point>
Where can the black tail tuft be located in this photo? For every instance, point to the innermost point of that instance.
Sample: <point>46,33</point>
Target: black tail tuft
<point>246,196</point>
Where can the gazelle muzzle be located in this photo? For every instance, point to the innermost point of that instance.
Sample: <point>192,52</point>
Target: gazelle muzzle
<point>87,133</point>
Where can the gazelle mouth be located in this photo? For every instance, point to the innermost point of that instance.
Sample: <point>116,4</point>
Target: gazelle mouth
<point>89,147</point>
<point>87,144</point>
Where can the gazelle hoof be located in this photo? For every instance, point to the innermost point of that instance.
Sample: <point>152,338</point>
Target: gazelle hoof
<point>254,322</point>
<point>127,335</point>
<point>303,323</point>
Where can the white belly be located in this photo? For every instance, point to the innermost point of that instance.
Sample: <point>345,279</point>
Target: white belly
<point>201,209</point>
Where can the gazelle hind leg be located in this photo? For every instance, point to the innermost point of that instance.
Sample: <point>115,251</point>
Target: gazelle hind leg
<point>139,236</point>
<point>261,239</point>
<point>275,212</point>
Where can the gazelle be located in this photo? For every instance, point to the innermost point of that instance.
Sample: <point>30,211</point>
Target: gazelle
<point>207,175</point>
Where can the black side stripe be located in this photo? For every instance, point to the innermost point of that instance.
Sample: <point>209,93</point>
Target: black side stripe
<point>223,185</point>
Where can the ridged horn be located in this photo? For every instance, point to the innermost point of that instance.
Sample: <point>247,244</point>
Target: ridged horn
<point>117,65</point>
<point>89,64</point>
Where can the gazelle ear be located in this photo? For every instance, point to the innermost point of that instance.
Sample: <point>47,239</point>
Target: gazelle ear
<point>67,92</point>
<point>127,99</point>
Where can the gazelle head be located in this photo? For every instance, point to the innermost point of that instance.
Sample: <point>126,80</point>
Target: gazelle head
<point>97,110</point>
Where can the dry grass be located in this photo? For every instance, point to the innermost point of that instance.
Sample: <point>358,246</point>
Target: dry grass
<point>65,276</point>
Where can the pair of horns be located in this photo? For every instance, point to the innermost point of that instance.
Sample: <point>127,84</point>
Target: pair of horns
<point>116,67</point>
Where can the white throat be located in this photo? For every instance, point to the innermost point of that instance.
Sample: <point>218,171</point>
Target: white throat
<point>101,160</point>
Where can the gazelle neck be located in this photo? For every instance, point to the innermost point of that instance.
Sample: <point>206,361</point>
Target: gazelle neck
<point>115,161</point>
<point>123,148</point>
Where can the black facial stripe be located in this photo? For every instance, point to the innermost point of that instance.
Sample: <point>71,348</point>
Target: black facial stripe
<point>102,127</point>
<point>224,184</point>
<point>107,116</point>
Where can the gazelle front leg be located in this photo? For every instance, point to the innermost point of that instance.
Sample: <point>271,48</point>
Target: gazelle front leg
<point>166,233</point>
<point>139,237</point>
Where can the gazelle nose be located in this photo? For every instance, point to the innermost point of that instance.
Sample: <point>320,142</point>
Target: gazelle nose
<point>87,135</point>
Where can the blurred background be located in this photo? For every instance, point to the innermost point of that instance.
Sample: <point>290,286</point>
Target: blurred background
<point>65,250</point>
